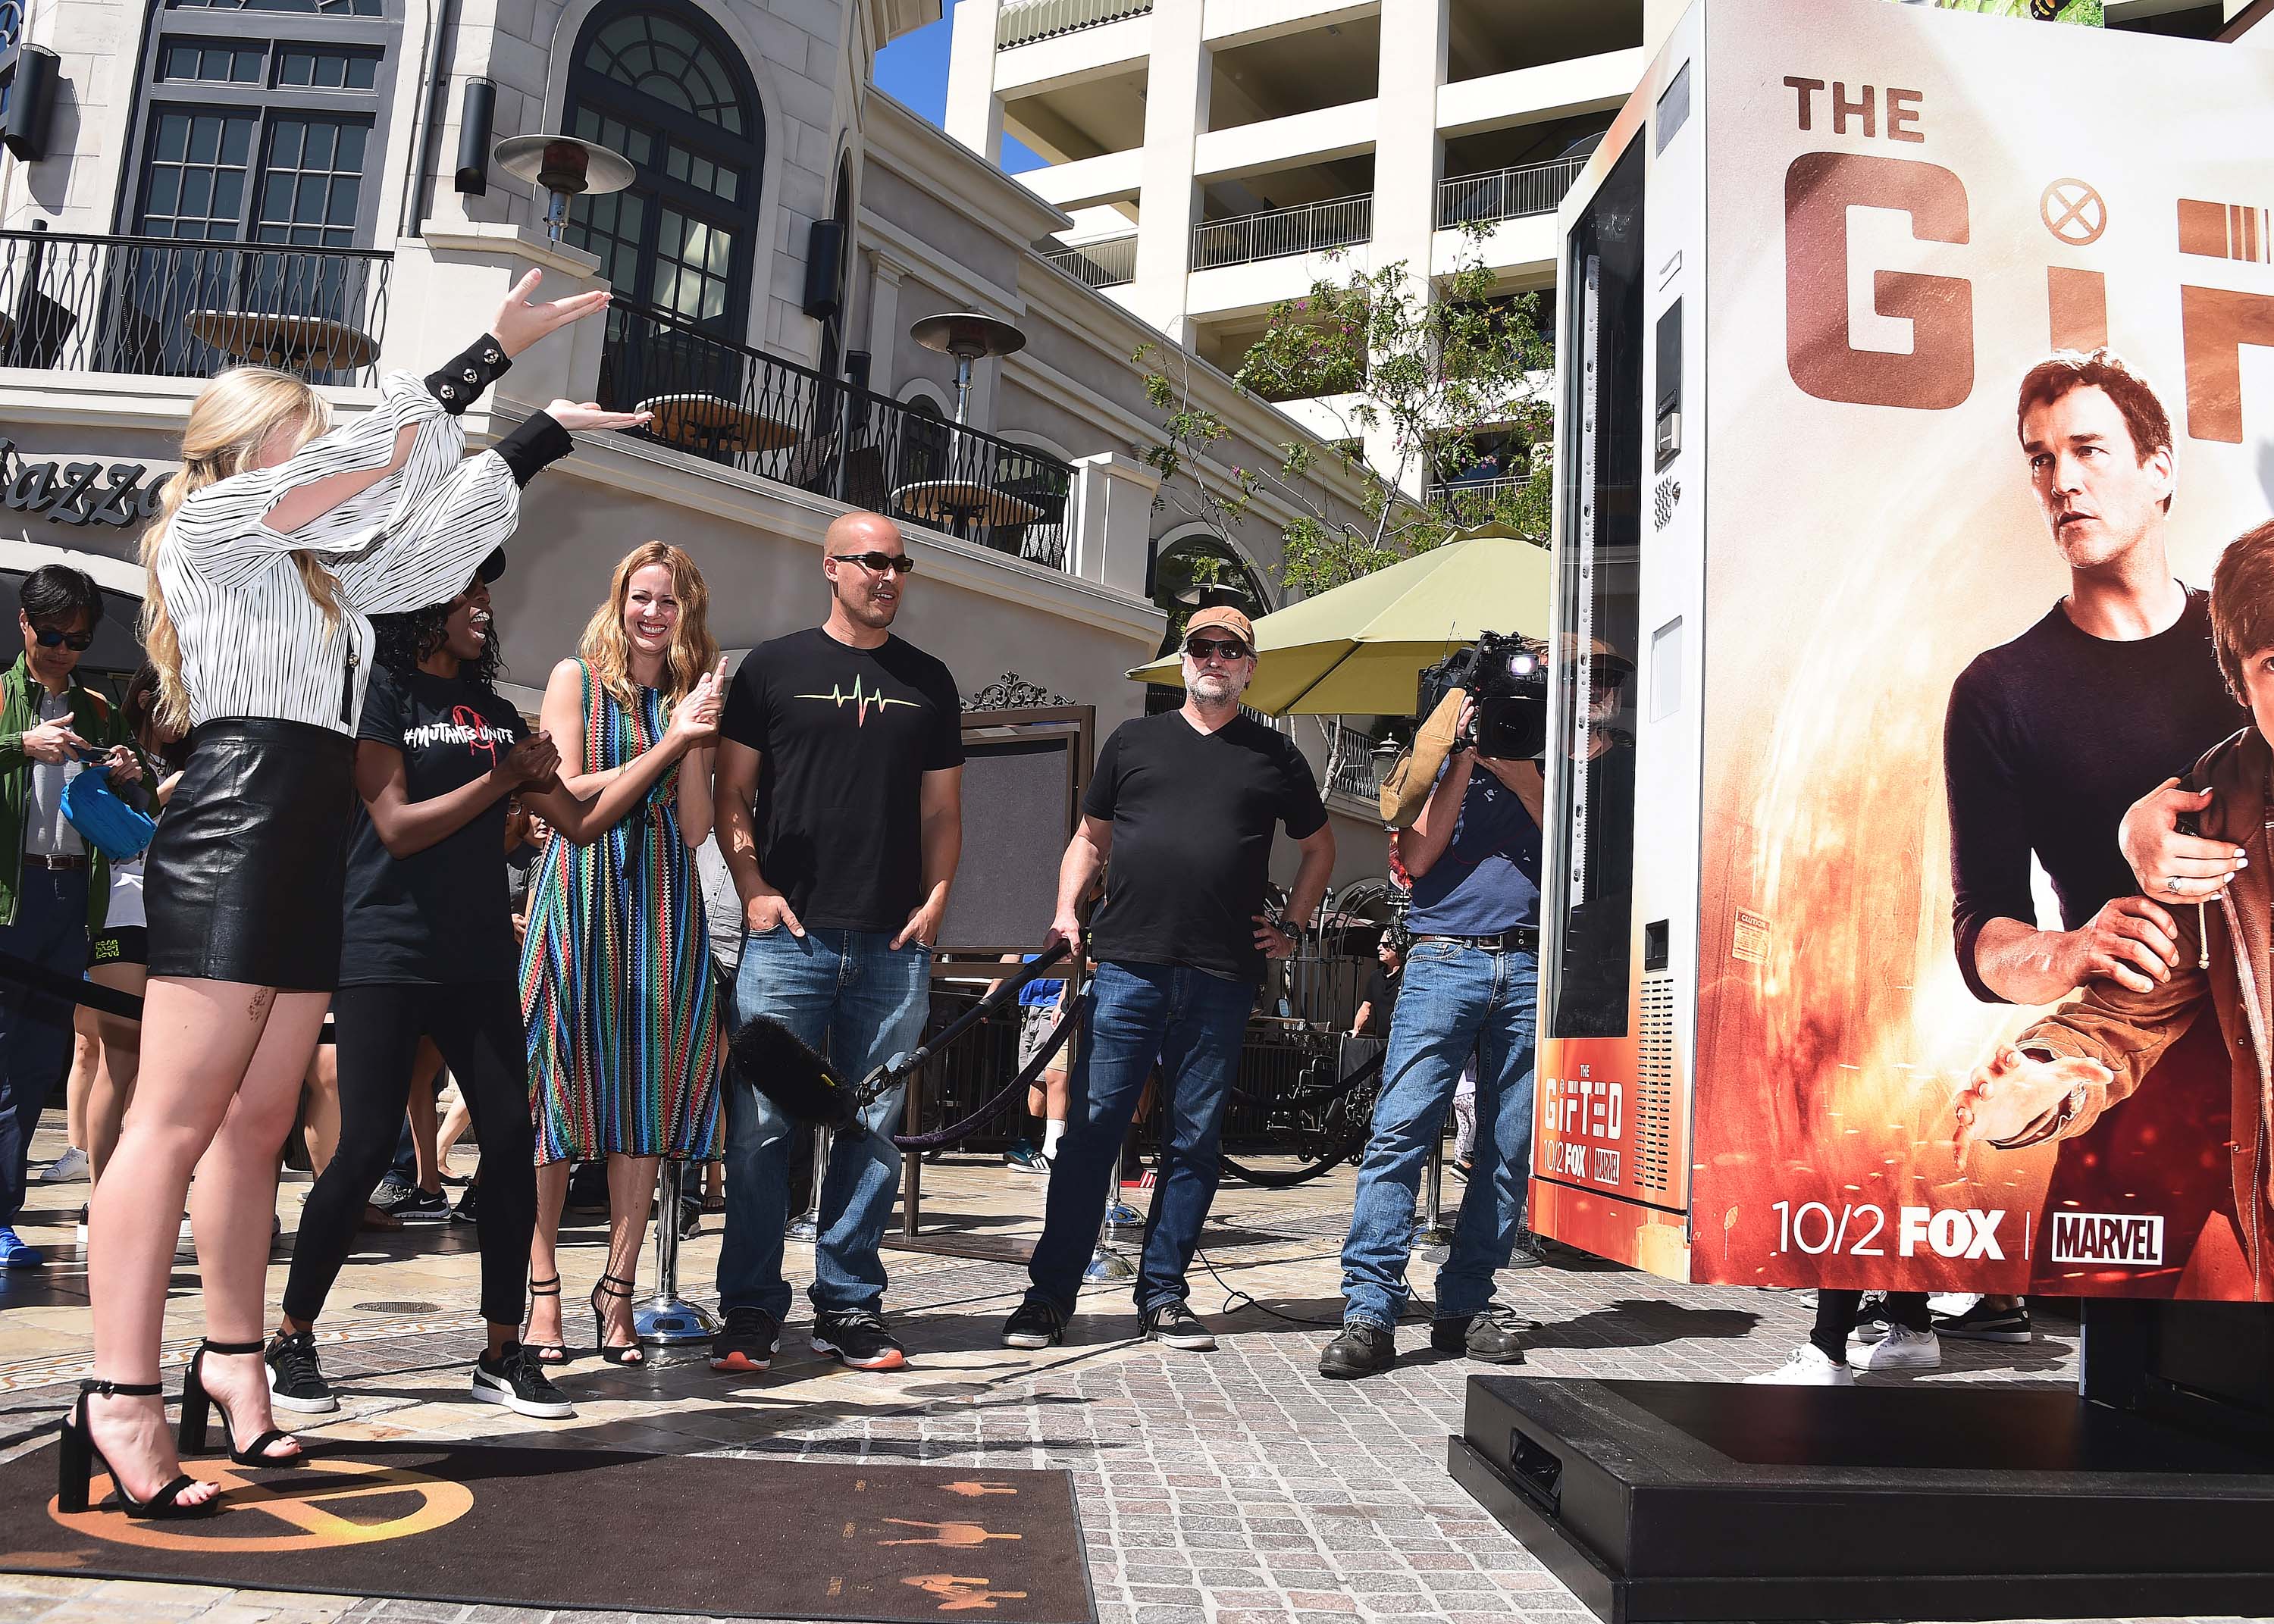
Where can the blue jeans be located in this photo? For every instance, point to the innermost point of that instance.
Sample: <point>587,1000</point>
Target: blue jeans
<point>1457,1000</point>
<point>35,1030</point>
<point>860,1001</point>
<point>1192,1023</point>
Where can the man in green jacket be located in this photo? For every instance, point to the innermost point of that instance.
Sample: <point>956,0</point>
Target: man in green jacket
<point>53,886</point>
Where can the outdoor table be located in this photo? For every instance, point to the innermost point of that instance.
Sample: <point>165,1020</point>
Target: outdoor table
<point>711,422</point>
<point>961,501</point>
<point>317,343</point>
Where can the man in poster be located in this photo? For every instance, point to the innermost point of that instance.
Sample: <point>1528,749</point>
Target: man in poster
<point>2067,1073</point>
<point>2048,740</point>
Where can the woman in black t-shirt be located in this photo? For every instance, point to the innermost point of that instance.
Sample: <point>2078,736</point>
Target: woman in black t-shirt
<point>427,948</point>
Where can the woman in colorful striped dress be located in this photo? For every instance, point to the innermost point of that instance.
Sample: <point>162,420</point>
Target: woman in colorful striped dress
<point>616,992</point>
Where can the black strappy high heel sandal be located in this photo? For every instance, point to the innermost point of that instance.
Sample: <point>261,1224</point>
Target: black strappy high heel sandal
<point>612,1286</point>
<point>545,1353</point>
<point>198,1404</point>
<point>75,1463</point>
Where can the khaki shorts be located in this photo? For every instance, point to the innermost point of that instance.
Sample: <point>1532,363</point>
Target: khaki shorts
<point>1036,1024</point>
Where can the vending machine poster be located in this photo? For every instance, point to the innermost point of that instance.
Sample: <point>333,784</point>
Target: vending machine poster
<point>1991,366</point>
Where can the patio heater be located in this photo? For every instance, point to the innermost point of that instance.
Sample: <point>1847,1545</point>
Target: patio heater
<point>566,167</point>
<point>967,335</point>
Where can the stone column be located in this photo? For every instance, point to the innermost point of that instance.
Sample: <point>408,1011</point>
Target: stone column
<point>1176,113</point>
<point>884,320</point>
<point>1407,154</point>
<point>1112,520</point>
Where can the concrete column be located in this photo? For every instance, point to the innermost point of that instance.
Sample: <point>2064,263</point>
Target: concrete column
<point>1407,156</point>
<point>883,320</point>
<point>1176,113</point>
<point>975,112</point>
<point>1112,520</point>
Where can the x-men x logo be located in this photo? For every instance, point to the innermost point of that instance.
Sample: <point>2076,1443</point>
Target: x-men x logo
<point>314,1511</point>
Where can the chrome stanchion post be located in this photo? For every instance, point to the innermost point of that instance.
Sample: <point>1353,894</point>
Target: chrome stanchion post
<point>1431,1238</point>
<point>1106,1261</point>
<point>807,1225</point>
<point>666,1317</point>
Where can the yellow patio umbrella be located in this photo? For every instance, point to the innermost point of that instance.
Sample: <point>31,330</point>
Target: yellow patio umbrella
<point>1358,650</point>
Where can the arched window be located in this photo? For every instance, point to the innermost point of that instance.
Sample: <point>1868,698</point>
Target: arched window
<point>1194,571</point>
<point>658,83</point>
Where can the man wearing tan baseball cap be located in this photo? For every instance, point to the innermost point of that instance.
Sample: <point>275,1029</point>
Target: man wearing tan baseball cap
<point>1186,804</point>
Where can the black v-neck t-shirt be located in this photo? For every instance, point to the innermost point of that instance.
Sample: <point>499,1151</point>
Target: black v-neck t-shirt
<point>441,916</point>
<point>844,737</point>
<point>1193,816</point>
<point>2049,738</point>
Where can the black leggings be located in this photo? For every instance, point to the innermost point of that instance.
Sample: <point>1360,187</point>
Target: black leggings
<point>1837,1311</point>
<point>478,1028</point>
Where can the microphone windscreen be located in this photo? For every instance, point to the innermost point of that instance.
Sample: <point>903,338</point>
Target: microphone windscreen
<point>785,1068</point>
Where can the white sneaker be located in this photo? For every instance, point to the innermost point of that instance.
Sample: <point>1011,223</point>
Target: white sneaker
<point>1902,1349</point>
<point>71,1168</point>
<point>1953,1303</point>
<point>1809,1367</point>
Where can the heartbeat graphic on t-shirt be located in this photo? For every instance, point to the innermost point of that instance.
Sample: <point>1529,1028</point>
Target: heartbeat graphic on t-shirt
<point>863,702</point>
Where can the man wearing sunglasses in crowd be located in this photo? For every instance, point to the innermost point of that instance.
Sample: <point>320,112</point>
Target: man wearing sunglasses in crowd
<point>1184,804</point>
<point>849,741</point>
<point>53,886</point>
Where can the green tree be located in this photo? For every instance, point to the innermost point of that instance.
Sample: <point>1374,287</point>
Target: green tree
<point>1437,377</point>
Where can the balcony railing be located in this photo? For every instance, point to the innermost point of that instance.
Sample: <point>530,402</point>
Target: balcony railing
<point>1357,769</point>
<point>1506,194</point>
<point>1107,263</point>
<point>1023,22</point>
<point>161,308</point>
<point>743,408</point>
<point>1277,232</point>
<point>1473,501</point>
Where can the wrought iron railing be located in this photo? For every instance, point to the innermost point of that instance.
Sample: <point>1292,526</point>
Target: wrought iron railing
<point>1473,501</point>
<point>1506,194</point>
<point>1106,263</point>
<point>731,404</point>
<point>1357,769</point>
<point>158,307</point>
<point>1275,233</point>
<point>1023,22</point>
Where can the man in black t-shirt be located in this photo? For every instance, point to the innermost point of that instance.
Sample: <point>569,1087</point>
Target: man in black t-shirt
<point>1379,1001</point>
<point>1184,804</point>
<point>2049,738</point>
<point>839,805</point>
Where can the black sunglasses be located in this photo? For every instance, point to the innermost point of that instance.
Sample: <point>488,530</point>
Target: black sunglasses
<point>1230,648</point>
<point>878,563</point>
<point>78,642</point>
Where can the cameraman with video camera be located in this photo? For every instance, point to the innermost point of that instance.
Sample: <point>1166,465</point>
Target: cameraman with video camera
<point>1471,985</point>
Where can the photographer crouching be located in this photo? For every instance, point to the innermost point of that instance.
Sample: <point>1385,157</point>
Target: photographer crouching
<point>1471,986</point>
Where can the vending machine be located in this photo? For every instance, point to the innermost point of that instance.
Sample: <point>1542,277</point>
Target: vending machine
<point>1797,542</point>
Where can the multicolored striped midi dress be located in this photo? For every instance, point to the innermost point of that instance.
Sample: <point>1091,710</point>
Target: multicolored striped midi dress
<point>616,991</point>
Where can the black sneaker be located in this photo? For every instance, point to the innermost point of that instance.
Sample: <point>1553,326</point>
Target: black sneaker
<point>423,1206</point>
<point>1495,1335</point>
<point>296,1382</point>
<point>469,1208</point>
<point>1033,1324</point>
<point>1985,1324</point>
<point>859,1339</point>
<point>1362,1349</point>
<point>747,1342</point>
<point>1173,1325</point>
<point>518,1382</point>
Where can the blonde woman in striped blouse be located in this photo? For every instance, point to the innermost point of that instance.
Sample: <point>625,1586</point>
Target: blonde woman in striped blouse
<point>277,540</point>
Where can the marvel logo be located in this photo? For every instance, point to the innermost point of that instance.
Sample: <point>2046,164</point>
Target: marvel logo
<point>2105,1237</point>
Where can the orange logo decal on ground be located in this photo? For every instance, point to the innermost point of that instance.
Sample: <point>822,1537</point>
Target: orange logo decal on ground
<point>315,1514</point>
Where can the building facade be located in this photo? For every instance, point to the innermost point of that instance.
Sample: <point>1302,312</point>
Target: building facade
<point>311,182</point>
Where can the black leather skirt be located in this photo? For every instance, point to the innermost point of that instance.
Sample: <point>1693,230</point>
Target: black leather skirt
<point>247,878</point>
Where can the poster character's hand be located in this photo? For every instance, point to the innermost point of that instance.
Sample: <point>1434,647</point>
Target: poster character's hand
<point>2131,940</point>
<point>2170,865</point>
<point>2012,1093</point>
<point>520,323</point>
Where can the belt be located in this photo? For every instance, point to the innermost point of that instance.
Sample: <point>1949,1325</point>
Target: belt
<point>42,860</point>
<point>1521,939</point>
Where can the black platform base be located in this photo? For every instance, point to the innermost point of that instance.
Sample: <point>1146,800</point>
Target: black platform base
<point>1663,1500</point>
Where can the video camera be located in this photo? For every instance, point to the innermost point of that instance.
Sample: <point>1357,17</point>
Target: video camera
<point>1507,676</point>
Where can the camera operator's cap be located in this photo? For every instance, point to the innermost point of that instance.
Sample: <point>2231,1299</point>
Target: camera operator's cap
<point>1229,618</point>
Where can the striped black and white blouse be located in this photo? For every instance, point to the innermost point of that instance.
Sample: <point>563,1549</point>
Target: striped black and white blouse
<point>254,644</point>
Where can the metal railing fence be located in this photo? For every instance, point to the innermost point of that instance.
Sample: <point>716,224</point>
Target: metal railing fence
<point>1275,233</point>
<point>1506,194</point>
<point>1107,263</point>
<point>1023,22</point>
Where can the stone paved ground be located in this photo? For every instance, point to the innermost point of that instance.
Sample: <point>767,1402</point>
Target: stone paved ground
<point>1231,1488</point>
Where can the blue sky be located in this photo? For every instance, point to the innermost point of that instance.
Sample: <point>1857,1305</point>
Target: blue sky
<point>914,69</point>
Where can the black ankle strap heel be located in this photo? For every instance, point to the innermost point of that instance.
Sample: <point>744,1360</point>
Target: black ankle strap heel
<point>197,1405</point>
<point>545,1353</point>
<point>77,1456</point>
<point>614,1286</point>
